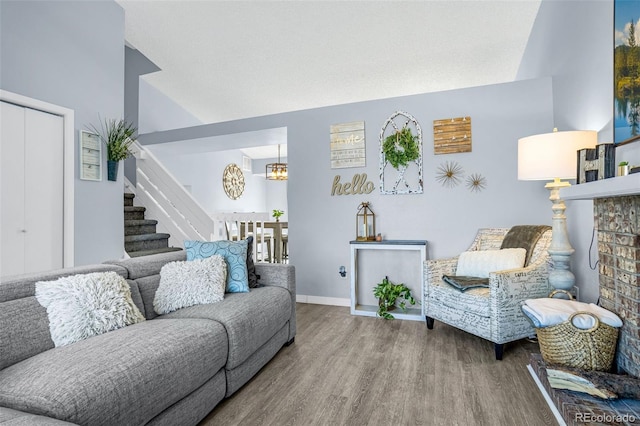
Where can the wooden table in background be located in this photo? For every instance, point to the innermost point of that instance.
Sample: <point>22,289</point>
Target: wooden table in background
<point>277,238</point>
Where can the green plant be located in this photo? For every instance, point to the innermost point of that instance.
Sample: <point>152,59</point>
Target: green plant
<point>408,145</point>
<point>277,213</point>
<point>117,135</point>
<point>623,163</point>
<point>388,294</point>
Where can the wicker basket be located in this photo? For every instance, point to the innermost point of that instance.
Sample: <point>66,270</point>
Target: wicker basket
<point>591,349</point>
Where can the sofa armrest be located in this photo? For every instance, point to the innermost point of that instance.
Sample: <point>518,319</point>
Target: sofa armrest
<point>433,270</point>
<point>280,275</point>
<point>277,274</point>
<point>508,290</point>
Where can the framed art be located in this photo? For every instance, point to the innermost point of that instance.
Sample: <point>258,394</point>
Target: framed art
<point>90,156</point>
<point>347,145</point>
<point>626,71</point>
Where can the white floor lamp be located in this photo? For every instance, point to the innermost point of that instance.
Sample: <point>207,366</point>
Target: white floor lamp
<point>553,156</point>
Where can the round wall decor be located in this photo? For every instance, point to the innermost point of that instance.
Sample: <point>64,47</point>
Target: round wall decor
<point>233,181</point>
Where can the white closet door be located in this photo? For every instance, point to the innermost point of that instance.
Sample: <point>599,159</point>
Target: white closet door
<point>32,190</point>
<point>12,226</point>
<point>43,201</point>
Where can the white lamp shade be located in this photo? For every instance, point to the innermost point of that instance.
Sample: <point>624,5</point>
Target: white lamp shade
<point>552,155</point>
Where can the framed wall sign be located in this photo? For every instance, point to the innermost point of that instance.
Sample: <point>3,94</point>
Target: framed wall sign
<point>90,156</point>
<point>348,145</point>
<point>626,71</point>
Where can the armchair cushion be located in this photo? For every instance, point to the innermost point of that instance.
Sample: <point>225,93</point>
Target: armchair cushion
<point>479,263</point>
<point>525,236</point>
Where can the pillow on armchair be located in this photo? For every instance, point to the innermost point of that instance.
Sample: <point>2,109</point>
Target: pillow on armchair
<point>479,263</point>
<point>525,236</point>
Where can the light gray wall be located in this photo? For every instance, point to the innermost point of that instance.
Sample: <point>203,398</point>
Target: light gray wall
<point>573,42</point>
<point>135,65</point>
<point>72,54</point>
<point>321,226</point>
<point>203,172</point>
<point>158,112</point>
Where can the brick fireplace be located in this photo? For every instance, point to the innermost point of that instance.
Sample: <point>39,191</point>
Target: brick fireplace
<point>616,207</point>
<point>618,223</point>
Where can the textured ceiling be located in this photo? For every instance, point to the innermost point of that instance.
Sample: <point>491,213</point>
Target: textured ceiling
<point>225,60</point>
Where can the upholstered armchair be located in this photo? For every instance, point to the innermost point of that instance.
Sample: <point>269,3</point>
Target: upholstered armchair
<point>491,313</point>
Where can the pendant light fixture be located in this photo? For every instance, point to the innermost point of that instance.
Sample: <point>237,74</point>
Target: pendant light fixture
<point>277,171</point>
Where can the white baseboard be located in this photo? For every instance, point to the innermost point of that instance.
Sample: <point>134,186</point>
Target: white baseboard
<point>319,300</point>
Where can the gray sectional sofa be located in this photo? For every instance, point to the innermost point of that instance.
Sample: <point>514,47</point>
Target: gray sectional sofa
<point>171,369</point>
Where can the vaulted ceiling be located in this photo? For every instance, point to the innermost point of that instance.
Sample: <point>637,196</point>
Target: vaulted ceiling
<point>226,60</point>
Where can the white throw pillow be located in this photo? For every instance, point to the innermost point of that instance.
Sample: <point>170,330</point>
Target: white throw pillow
<point>86,305</point>
<point>191,282</point>
<point>479,263</point>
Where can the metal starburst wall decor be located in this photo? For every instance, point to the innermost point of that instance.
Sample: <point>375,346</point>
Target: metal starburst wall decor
<point>449,174</point>
<point>476,182</point>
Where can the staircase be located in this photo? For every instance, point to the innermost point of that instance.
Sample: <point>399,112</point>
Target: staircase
<point>140,236</point>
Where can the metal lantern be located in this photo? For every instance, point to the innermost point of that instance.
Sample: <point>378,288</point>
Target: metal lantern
<point>365,223</point>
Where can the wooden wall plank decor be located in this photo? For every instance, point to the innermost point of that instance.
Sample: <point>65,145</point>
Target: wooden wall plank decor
<point>347,145</point>
<point>452,135</point>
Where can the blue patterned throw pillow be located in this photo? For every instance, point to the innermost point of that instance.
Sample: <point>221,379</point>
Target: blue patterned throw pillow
<point>234,253</point>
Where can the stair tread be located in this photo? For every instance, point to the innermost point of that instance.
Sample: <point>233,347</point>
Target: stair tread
<point>153,251</point>
<point>129,195</point>
<point>134,209</point>
<point>139,222</point>
<point>146,237</point>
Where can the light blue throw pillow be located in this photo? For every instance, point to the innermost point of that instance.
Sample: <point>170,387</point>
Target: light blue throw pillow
<point>233,252</point>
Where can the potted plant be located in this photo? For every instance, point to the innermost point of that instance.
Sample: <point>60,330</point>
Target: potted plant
<point>276,214</point>
<point>117,135</point>
<point>388,294</point>
<point>623,168</point>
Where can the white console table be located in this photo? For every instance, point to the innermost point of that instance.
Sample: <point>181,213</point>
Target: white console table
<point>415,313</point>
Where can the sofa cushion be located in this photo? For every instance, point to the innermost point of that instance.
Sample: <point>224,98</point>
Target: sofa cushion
<point>252,277</point>
<point>144,266</point>
<point>85,305</point>
<point>18,286</point>
<point>24,330</point>
<point>147,286</point>
<point>127,376</point>
<point>11,417</point>
<point>234,253</point>
<point>250,319</point>
<point>184,284</point>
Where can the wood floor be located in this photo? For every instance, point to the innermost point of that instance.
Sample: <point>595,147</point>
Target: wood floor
<point>348,370</point>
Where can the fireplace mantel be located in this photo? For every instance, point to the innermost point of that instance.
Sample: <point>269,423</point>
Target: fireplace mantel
<point>606,188</point>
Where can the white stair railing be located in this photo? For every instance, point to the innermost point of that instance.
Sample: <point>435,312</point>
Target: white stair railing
<point>166,201</point>
<point>181,216</point>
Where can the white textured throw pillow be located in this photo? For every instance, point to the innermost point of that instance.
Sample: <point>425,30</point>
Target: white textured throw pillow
<point>479,263</point>
<point>191,282</point>
<point>86,305</point>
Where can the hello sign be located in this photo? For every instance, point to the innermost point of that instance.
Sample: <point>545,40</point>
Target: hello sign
<point>358,185</point>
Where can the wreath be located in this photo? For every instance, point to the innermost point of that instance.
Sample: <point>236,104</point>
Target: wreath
<point>408,145</point>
